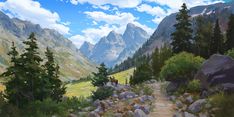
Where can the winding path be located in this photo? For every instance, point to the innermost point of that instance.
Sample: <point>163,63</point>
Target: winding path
<point>162,106</point>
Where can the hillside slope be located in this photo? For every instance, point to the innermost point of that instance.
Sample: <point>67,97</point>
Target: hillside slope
<point>73,64</point>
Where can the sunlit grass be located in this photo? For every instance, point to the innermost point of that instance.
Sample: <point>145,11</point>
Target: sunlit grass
<point>85,88</point>
<point>122,76</point>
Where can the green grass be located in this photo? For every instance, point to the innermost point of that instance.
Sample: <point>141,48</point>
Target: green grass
<point>85,88</point>
<point>122,76</point>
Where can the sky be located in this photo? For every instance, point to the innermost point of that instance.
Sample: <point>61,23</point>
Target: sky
<point>89,20</point>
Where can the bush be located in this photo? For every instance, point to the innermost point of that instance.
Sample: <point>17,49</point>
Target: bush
<point>224,103</point>
<point>144,89</point>
<point>230,53</point>
<point>194,86</point>
<point>75,103</point>
<point>181,67</point>
<point>46,108</point>
<point>102,93</point>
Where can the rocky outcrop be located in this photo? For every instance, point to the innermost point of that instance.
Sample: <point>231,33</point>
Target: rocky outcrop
<point>217,71</point>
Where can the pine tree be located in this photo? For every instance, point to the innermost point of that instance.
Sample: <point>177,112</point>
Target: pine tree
<point>32,74</point>
<point>156,62</point>
<point>14,85</point>
<point>230,33</point>
<point>100,78</point>
<point>53,85</point>
<point>202,37</point>
<point>216,40</point>
<point>182,37</point>
<point>141,73</point>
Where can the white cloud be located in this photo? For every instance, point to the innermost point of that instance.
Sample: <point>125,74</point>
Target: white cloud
<point>119,3</point>
<point>32,11</point>
<point>78,40</point>
<point>174,5</point>
<point>155,11</point>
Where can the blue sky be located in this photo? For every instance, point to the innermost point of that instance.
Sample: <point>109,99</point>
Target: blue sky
<point>89,20</point>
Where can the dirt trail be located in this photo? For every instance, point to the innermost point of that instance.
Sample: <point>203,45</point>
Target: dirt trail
<point>163,106</point>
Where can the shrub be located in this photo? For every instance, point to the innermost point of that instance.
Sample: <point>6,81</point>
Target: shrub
<point>225,104</point>
<point>230,53</point>
<point>144,89</point>
<point>194,86</point>
<point>181,67</point>
<point>75,103</point>
<point>102,93</point>
<point>45,108</point>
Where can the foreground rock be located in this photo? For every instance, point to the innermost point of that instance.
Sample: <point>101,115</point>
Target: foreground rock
<point>217,71</point>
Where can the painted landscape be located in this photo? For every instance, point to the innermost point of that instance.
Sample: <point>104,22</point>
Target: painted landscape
<point>117,58</point>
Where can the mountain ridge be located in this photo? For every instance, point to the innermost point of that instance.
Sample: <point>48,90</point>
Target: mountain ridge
<point>73,65</point>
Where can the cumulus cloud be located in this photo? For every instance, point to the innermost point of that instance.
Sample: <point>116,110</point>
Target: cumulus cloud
<point>32,11</point>
<point>174,5</point>
<point>119,3</point>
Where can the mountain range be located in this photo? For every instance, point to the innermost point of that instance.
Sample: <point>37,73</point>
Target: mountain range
<point>162,34</point>
<point>73,65</point>
<point>115,48</point>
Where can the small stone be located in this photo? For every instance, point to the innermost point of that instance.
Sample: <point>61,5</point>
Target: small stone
<point>139,113</point>
<point>178,114</point>
<point>96,103</point>
<point>130,114</point>
<point>93,114</point>
<point>172,98</point>
<point>197,106</point>
<point>179,104</point>
<point>118,115</point>
<point>186,114</point>
<point>189,99</point>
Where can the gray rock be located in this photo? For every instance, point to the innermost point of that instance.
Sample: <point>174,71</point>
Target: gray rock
<point>136,106</point>
<point>189,99</point>
<point>217,71</point>
<point>172,98</point>
<point>146,109</point>
<point>93,114</point>
<point>139,113</point>
<point>179,104</point>
<point>197,105</point>
<point>130,114</point>
<point>186,114</point>
<point>178,114</point>
<point>127,95</point>
<point>96,103</point>
<point>118,115</point>
<point>172,87</point>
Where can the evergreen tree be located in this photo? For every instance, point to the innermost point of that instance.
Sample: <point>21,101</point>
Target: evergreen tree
<point>182,37</point>
<point>159,57</point>
<point>14,85</point>
<point>32,71</point>
<point>216,40</point>
<point>100,78</point>
<point>53,85</point>
<point>141,73</point>
<point>230,33</point>
<point>202,37</point>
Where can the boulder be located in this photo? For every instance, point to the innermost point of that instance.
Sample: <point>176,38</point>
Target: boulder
<point>139,113</point>
<point>186,114</point>
<point>217,71</point>
<point>179,104</point>
<point>93,114</point>
<point>189,99</point>
<point>178,114</point>
<point>172,87</point>
<point>197,105</point>
<point>127,95</point>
